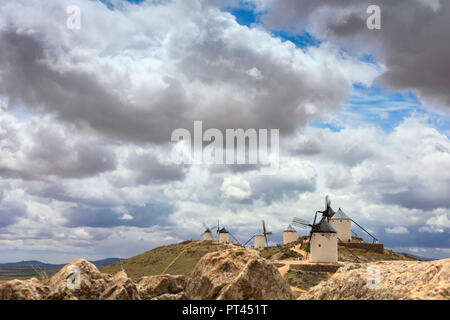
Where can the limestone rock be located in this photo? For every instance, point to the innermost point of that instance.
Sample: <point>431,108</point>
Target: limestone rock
<point>120,288</point>
<point>162,287</point>
<point>31,289</point>
<point>239,274</point>
<point>396,280</point>
<point>79,280</point>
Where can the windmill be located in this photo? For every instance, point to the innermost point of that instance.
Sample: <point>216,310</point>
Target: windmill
<point>260,237</point>
<point>289,235</point>
<point>207,234</point>
<point>322,239</point>
<point>224,234</point>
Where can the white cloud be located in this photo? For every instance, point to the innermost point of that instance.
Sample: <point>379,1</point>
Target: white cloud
<point>397,230</point>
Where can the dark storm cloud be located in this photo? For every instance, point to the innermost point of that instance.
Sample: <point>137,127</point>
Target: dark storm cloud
<point>273,188</point>
<point>413,43</point>
<point>215,70</point>
<point>141,216</point>
<point>61,192</point>
<point>415,238</point>
<point>148,169</point>
<point>77,97</point>
<point>10,211</point>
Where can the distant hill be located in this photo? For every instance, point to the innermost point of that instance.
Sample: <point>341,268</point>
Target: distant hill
<point>43,265</point>
<point>417,257</point>
<point>155,261</point>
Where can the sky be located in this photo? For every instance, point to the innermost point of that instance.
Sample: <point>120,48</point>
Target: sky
<point>86,117</point>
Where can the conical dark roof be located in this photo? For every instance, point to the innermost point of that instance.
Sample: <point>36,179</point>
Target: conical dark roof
<point>340,215</point>
<point>323,226</point>
<point>289,229</point>
<point>223,230</point>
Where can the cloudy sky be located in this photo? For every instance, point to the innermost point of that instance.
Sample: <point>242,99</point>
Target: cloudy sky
<point>86,117</point>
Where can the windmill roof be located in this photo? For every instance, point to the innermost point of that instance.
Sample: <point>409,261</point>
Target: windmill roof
<point>324,227</point>
<point>289,229</point>
<point>340,215</point>
<point>223,230</point>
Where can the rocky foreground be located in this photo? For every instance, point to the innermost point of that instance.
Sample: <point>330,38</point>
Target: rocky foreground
<point>386,280</point>
<point>228,274</point>
<point>238,274</point>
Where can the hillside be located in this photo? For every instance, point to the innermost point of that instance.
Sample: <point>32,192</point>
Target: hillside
<point>33,268</point>
<point>153,262</point>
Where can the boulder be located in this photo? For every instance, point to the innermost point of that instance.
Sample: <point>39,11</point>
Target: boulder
<point>79,280</point>
<point>236,274</point>
<point>162,287</point>
<point>31,289</point>
<point>386,280</point>
<point>120,288</point>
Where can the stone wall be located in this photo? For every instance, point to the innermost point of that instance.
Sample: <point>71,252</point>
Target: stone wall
<point>375,247</point>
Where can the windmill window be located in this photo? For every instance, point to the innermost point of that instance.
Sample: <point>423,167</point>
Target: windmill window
<point>320,245</point>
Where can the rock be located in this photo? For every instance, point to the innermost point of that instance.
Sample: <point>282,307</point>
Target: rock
<point>31,289</point>
<point>238,274</point>
<point>120,288</point>
<point>170,296</point>
<point>79,280</point>
<point>162,287</point>
<point>396,280</point>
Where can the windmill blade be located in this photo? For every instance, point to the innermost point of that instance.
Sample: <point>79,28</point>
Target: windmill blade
<point>248,240</point>
<point>206,227</point>
<point>327,201</point>
<point>264,227</point>
<point>234,238</point>
<point>265,236</point>
<point>300,223</point>
<point>218,229</point>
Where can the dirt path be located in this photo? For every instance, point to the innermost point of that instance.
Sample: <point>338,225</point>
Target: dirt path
<point>287,264</point>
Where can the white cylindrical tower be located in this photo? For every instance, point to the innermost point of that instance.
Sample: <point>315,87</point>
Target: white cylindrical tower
<point>260,241</point>
<point>343,226</point>
<point>289,235</point>
<point>207,236</point>
<point>223,236</point>
<point>323,244</point>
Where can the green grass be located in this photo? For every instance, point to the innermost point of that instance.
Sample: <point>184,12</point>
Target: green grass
<point>280,252</point>
<point>154,262</point>
<point>7,274</point>
<point>305,279</point>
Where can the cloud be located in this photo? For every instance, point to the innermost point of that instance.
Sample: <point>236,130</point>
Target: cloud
<point>153,74</point>
<point>235,188</point>
<point>10,212</point>
<point>144,216</point>
<point>397,230</point>
<point>413,59</point>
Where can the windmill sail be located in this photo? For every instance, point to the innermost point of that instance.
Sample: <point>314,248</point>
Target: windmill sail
<point>300,223</point>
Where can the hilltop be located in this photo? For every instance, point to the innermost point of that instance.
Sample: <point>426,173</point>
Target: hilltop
<point>183,256</point>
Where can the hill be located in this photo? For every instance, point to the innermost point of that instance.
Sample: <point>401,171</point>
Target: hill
<point>179,259</point>
<point>33,268</point>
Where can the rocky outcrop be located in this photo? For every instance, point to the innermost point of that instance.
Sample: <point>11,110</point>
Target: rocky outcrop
<point>31,289</point>
<point>79,280</point>
<point>236,274</point>
<point>390,280</point>
<point>162,287</point>
<point>120,288</point>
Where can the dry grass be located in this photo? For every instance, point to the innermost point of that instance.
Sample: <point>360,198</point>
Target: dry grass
<point>155,261</point>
